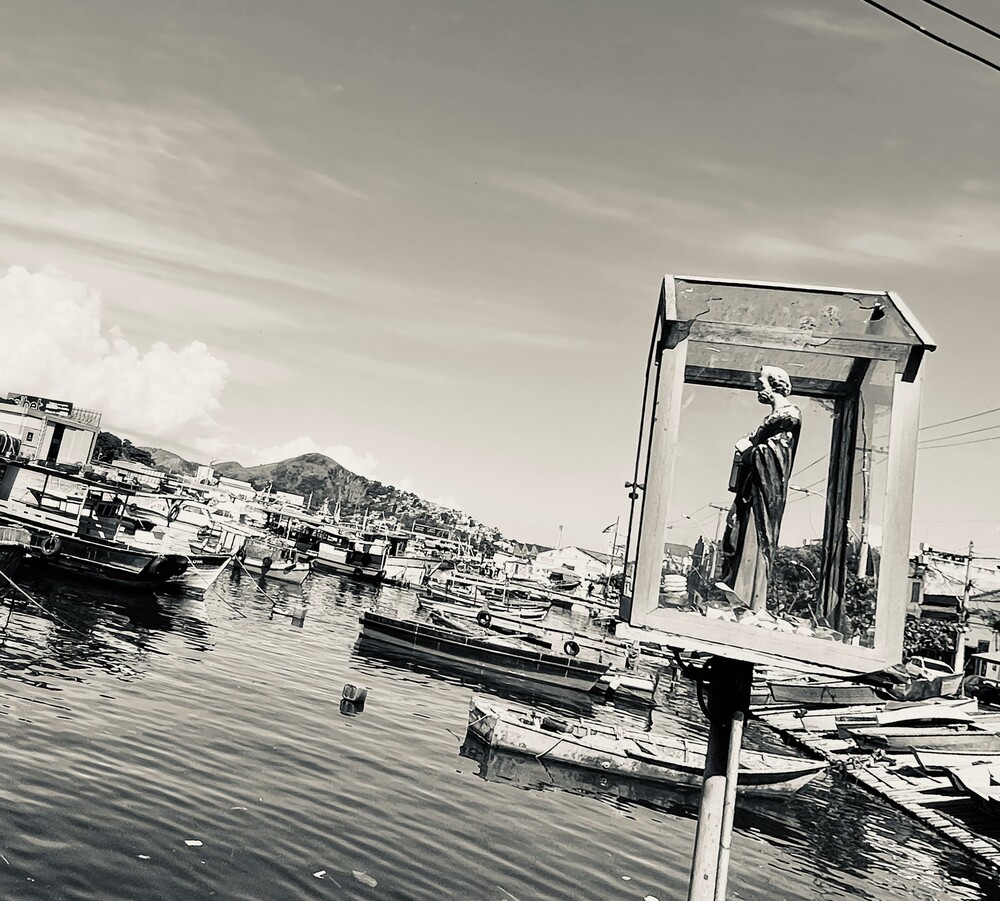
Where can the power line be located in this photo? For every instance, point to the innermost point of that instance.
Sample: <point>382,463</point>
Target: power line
<point>957,15</point>
<point>960,419</point>
<point>930,34</point>
<point>961,434</point>
<point>958,443</point>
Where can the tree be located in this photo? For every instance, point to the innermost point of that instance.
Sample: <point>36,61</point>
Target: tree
<point>929,638</point>
<point>110,447</point>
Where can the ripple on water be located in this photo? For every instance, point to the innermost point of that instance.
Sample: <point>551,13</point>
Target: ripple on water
<point>134,726</point>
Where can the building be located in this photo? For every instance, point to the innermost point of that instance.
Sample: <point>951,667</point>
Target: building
<point>587,565</point>
<point>49,431</point>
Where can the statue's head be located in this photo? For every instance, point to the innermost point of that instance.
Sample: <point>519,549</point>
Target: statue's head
<point>772,380</point>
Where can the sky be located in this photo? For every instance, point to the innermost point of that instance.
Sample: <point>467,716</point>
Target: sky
<point>427,238</point>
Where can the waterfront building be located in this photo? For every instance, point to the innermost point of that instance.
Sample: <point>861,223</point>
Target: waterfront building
<point>49,431</point>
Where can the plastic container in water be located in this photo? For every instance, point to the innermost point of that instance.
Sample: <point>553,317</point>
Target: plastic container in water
<point>356,694</point>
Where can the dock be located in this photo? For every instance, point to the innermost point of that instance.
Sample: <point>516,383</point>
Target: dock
<point>898,779</point>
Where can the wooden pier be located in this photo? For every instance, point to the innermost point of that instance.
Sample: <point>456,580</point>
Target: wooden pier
<point>898,779</point>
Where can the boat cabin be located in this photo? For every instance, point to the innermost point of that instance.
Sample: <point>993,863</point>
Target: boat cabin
<point>987,667</point>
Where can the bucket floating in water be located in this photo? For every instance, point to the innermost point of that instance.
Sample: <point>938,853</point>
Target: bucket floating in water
<point>356,694</point>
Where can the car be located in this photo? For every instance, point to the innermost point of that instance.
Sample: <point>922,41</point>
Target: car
<point>928,667</point>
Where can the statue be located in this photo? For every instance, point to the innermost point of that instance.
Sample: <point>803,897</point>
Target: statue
<point>762,467</point>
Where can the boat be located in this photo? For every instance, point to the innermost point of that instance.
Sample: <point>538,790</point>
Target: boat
<point>933,729</point>
<point>479,592</point>
<point>832,719</point>
<point>629,753</point>
<point>79,527</point>
<point>508,656</point>
<point>981,782</point>
<point>932,761</point>
<point>822,694</point>
<point>518,613</point>
<point>277,570</point>
<point>360,557</point>
<point>105,561</point>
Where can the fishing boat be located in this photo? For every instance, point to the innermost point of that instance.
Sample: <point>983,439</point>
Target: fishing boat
<point>832,719</point>
<point>633,754</point>
<point>508,656</point>
<point>933,728</point>
<point>360,557</point>
<point>105,561</point>
<point>480,592</point>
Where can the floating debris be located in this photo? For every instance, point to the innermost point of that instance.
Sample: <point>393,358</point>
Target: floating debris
<point>192,843</point>
<point>650,898</point>
<point>319,874</point>
<point>143,856</point>
<point>364,878</point>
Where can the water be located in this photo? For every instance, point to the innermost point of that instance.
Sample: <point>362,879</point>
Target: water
<point>132,727</point>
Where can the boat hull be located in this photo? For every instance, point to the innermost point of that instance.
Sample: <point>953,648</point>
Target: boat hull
<point>655,759</point>
<point>822,694</point>
<point>106,562</point>
<point>14,544</point>
<point>355,571</point>
<point>483,655</point>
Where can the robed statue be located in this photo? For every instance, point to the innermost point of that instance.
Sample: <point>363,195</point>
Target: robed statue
<point>762,466</point>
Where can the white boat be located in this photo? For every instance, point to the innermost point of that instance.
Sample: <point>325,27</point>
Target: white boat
<point>932,760</point>
<point>276,570</point>
<point>940,729</point>
<point>634,754</point>
<point>982,783</point>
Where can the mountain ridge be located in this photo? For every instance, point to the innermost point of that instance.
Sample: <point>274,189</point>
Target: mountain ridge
<point>325,483</point>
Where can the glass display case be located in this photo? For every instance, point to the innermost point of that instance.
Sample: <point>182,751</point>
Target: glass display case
<point>787,416</point>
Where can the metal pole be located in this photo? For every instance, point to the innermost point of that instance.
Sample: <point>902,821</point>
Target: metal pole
<point>962,613</point>
<point>741,700</point>
<point>715,545</point>
<point>728,704</point>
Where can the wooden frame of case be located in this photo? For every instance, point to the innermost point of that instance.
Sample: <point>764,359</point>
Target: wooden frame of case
<point>672,365</point>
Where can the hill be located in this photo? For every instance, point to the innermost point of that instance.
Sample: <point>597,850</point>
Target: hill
<point>325,482</point>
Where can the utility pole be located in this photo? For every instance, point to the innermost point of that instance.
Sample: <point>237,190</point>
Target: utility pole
<point>962,614</point>
<point>715,545</point>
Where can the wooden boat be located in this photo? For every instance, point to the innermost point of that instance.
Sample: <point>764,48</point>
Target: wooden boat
<point>981,782</point>
<point>923,688</point>
<point>931,760</point>
<point>941,729</point>
<point>478,594</point>
<point>485,653</point>
<point>822,694</point>
<point>469,610</point>
<point>634,754</point>
<point>834,719</point>
<point>202,573</point>
<point>106,561</point>
<point>276,570</point>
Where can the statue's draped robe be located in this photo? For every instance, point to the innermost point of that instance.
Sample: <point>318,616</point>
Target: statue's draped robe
<point>754,520</point>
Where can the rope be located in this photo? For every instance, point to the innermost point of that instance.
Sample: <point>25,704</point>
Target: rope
<point>42,607</point>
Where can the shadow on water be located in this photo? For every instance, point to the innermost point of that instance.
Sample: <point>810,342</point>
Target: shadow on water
<point>70,625</point>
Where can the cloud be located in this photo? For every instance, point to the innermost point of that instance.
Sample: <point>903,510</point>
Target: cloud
<point>559,196</point>
<point>54,344</point>
<point>823,23</point>
<point>219,449</point>
<point>933,235</point>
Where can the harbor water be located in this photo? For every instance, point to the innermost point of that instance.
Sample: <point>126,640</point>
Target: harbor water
<point>183,747</point>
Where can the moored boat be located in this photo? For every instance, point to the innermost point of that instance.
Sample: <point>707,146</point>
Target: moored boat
<point>633,754</point>
<point>941,729</point>
<point>822,694</point>
<point>504,656</point>
<point>981,782</point>
<point>277,570</point>
<point>106,561</point>
<point>932,760</point>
